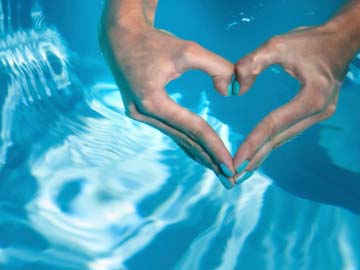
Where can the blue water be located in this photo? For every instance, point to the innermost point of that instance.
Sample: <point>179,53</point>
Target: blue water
<point>83,187</point>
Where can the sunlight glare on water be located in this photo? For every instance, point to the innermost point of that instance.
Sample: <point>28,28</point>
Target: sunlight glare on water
<point>84,187</point>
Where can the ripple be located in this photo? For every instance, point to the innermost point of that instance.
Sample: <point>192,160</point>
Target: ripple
<point>84,187</point>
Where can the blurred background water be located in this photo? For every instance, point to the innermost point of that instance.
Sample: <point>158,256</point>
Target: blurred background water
<point>84,187</point>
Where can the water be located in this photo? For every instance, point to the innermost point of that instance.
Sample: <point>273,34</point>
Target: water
<point>84,187</point>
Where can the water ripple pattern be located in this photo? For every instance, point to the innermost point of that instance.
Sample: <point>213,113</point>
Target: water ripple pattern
<point>84,187</point>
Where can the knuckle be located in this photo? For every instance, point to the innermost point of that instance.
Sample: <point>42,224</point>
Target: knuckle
<point>272,126</point>
<point>316,104</point>
<point>323,82</point>
<point>132,113</point>
<point>190,49</point>
<point>148,106</point>
<point>187,145</point>
<point>329,111</point>
<point>200,127</point>
<point>244,68</point>
<point>253,60</point>
<point>239,68</point>
<point>322,87</point>
<point>250,146</point>
<point>276,42</point>
<point>319,104</point>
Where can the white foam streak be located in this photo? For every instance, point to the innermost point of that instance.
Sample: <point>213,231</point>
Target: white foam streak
<point>247,213</point>
<point>108,188</point>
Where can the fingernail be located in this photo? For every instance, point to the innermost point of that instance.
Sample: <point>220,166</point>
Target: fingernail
<point>226,183</point>
<point>226,170</point>
<point>244,177</point>
<point>229,89</point>
<point>235,87</point>
<point>242,166</point>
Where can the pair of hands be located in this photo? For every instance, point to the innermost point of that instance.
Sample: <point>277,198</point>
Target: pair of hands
<point>145,60</point>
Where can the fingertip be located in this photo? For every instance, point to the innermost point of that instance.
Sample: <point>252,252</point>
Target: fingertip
<point>229,89</point>
<point>226,170</point>
<point>243,158</point>
<point>220,69</point>
<point>243,172</point>
<point>225,182</point>
<point>233,87</point>
<point>243,82</point>
<point>242,166</point>
<point>244,176</point>
<point>224,86</point>
<point>236,88</point>
<point>245,74</point>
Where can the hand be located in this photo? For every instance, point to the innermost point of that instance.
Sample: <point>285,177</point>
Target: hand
<point>143,60</point>
<point>318,57</point>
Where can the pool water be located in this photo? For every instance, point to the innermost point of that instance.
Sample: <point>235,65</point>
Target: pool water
<point>84,187</point>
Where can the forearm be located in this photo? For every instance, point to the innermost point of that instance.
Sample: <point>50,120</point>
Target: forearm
<point>129,13</point>
<point>346,23</point>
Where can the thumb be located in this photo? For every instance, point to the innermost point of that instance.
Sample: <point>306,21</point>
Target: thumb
<point>216,66</point>
<point>249,67</point>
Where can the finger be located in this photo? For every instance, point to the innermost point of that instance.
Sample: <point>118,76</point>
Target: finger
<point>252,165</point>
<point>188,145</point>
<point>192,149</point>
<point>221,70</point>
<point>288,135</point>
<point>161,107</point>
<point>185,142</point>
<point>301,107</point>
<point>249,67</point>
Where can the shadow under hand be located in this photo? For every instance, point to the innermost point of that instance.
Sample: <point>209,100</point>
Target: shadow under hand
<point>323,164</point>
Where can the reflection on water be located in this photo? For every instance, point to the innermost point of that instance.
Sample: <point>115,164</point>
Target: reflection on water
<point>84,187</point>
<point>113,189</point>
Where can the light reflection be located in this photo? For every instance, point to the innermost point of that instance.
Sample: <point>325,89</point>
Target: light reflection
<point>106,189</point>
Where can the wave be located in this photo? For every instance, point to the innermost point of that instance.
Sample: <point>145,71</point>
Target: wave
<point>84,187</point>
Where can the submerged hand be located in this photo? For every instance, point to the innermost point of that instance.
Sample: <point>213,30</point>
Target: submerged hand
<point>143,60</point>
<point>318,58</point>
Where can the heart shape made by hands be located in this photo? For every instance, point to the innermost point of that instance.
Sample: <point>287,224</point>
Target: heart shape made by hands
<point>144,62</point>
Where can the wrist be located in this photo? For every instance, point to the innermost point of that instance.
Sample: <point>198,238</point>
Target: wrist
<point>346,26</point>
<point>125,16</point>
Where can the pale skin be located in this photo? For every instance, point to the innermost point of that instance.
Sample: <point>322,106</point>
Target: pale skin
<point>144,60</point>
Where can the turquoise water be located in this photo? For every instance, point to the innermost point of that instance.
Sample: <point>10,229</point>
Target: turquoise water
<point>84,187</point>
